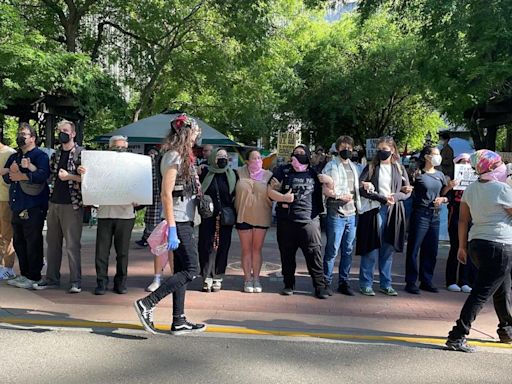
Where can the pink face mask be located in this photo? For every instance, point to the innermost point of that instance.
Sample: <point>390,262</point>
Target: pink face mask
<point>498,174</point>
<point>298,166</point>
<point>255,168</point>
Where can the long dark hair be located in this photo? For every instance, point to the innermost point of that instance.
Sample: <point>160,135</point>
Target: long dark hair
<point>388,140</point>
<point>178,139</point>
<point>427,150</point>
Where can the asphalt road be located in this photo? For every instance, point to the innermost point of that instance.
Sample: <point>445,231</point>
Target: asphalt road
<point>37,355</point>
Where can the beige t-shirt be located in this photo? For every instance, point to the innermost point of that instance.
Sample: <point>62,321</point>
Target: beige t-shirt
<point>5,153</point>
<point>251,201</point>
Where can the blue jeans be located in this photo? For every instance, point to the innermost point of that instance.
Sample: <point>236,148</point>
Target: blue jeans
<point>423,240</point>
<point>384,254</point>
<point>340,231</point>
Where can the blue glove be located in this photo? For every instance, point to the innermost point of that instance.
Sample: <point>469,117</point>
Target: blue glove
<point>172,239</point>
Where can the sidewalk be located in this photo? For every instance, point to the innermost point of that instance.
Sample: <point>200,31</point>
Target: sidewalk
<point>426,315</point>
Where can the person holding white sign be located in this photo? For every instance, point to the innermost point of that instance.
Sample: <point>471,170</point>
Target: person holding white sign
<point>115,223</point>
<point>180,186</point>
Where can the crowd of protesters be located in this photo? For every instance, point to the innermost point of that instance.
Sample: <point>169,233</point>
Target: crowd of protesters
<point>368,211</point>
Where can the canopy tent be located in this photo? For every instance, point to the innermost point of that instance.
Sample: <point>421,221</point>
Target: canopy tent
<point>460,146</point>
<point>152,130</point>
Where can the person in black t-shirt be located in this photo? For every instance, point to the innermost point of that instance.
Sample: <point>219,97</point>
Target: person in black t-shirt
<point>430,188</point>
<point>298,192</point>
<point>65,212</point>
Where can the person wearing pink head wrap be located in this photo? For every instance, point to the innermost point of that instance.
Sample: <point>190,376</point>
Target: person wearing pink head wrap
<point>487,204</point>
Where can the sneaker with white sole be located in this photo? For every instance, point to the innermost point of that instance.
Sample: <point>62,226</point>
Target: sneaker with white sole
<point>145,313</point>
<point>7,274</point>
<point>466,289</point>
<point>248,286</point>
<point>187,327</point>
<point>25,283</point>
<point>75,288</point>
<point>44,283</point>
<point>257,286</point>
<point>153,286</point>
<point>459,345</point>
<point>453,288</point>
<point>15,281</point>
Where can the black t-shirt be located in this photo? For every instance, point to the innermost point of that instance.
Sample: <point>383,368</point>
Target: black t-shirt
<point>427,187</point>
<point>61,193</point>
<point>307,192</point>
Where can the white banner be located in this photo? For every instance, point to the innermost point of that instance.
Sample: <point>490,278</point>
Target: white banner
<point>116,178</point>
<point>466,175</point>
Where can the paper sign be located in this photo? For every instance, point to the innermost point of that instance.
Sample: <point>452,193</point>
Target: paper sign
<point>286,143</point>
<point>116,178</point>
<point>371,148</point>
<point>465,174</point>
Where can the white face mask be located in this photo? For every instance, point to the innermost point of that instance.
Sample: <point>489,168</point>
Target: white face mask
<point>436,160</point>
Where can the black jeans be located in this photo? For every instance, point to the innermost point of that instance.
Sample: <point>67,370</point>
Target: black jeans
<point>213,261</point>
<point>494,261</point>
<point>185,270</point>
<point>457,273</point>
<point>28,242</point>
<point>120,230</point>
<point>290,237</point>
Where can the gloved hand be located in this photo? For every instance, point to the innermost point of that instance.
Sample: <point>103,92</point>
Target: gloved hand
<point>172,239</point>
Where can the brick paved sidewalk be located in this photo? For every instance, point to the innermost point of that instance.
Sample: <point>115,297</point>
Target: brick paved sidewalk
<point>426,314</point>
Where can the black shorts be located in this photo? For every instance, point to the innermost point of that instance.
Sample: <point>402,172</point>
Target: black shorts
<point>245,226</point>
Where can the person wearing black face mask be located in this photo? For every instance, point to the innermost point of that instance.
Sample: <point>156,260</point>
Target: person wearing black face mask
<point>340,180</point>
<point>28,200</point>
<point>215,232</point>
<point>298,192</point>
<point>65,211</point>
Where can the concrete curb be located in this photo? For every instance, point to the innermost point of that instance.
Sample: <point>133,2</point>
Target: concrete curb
<point>248,331</point>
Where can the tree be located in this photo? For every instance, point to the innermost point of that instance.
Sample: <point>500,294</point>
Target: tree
<point>466,52</point>
<point>361,79</point>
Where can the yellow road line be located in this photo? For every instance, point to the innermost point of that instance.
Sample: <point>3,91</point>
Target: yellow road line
<point>248,331</point>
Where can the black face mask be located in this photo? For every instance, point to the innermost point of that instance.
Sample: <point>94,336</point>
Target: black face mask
<point>345,154</point>
<point>383,155</point>
<point>20,141</point>
<point>222,163</point>
<point>64,138</point>
<point>303,159</point>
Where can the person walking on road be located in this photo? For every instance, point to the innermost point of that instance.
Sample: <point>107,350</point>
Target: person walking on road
<point>180,186</point>
<point>487,204</point>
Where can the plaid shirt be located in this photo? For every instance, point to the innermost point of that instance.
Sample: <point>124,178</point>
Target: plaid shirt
<point>153,215</point>
<point>74,187</point>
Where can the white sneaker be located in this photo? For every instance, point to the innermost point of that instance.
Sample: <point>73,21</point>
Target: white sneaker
<point>75,288</point>
<point>248,286</point>
<point>257,286</point>
<point>15,281</point>
<point>25,283</point>
<point>453,288</point>
<point>7,274</point>
<point>466,289</point>
<point>153,286</point>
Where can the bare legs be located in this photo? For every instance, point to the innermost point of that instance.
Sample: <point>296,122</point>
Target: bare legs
<point>251,241</point>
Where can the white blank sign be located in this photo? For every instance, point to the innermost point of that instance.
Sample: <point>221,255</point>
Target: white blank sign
<point>116,178</point>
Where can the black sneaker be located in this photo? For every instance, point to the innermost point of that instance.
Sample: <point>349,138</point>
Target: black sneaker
<point>187,327</point>
<point>428,288</point>
<point>329,290</point>
<point>321,293</point>
<point>459,345</point>
<point>412,288</point>
<point>145,313</point>
<point>287,291</point>
<point>142,243</point>
<point>121,290</point>
<point>345,289</point>
<point>100,289</point>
